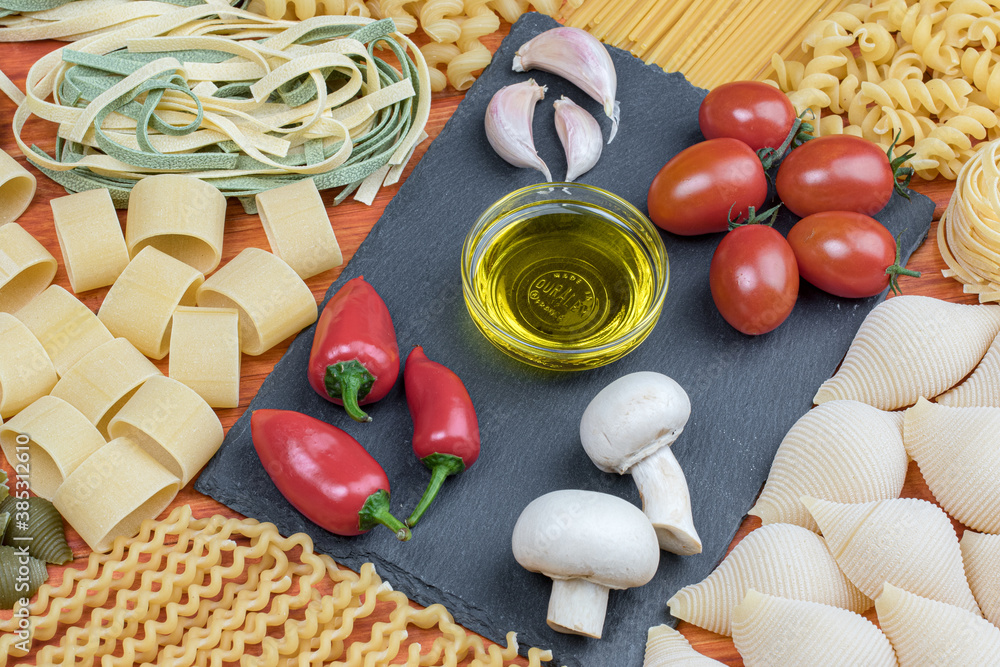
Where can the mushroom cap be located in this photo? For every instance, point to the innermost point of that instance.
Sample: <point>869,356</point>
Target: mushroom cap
<point>632,418</point>
<point>574,534</point>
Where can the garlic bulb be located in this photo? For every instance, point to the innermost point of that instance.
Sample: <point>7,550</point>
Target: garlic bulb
<point>580,135</point>
<point>579,57</point>
<point>508,125</point>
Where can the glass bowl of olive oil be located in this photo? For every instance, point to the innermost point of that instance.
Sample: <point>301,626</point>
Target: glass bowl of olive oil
<point>564,276</point>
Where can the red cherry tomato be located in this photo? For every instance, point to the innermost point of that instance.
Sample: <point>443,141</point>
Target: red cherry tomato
<point>836,173</point>
<point>757,114</point>
<point>694,192</point>
<point>845,253</point>
<point>754,279</point>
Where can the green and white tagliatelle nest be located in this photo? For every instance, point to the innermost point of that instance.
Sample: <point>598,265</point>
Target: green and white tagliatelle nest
<point>244,102</point>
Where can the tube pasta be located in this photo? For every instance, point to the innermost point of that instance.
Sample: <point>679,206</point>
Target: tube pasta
<point>113,491</point>
<point>981,556</point>
<point>222,584</point>
<point>665,647</point>
<point>65,327</point>
<point>905,542</point>
<point>17,188</point>
<point>929,632</point>
<point>59,437</point>
<point>26,267</point>
<point>780,559</point>
<point>140,305</point>
<point>26,372</point>
<point>272,301</point>
<point>769,630</point>
<point>845,451</point>
<point>911,346</point>
<point>43,533</point>
<point>298,228</point>
<point>102,381</point>
<point>205,353</point>
<point>172,423</point>
<point>90,238</point>
<point>179,215</point>
<point>958,453</point>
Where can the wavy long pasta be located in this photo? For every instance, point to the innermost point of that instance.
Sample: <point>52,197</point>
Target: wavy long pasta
<point>189,591</point>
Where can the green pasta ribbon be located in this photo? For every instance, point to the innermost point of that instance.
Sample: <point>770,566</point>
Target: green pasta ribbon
<point>43,533</point>
<point>341,100</point>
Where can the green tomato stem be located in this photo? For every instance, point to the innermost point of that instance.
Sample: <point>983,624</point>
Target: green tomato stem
<point>897,269</point>
<point>442,467</point>
<point>375,511</point>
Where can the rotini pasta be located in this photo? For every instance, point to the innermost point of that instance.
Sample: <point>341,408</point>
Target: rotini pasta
<point>191,591</point>
<point>90,238</point>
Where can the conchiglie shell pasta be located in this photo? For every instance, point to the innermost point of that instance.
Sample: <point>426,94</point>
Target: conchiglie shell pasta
<point>904,542</point>
<point>665,647</point>
<point>958,452</point>
<point>982,388</point>
<point>844,451</point>
<point>928,632</point>
<point>779,632</point>
<point>780,559</point>
<point>912,346</point>
<point>981,555</point>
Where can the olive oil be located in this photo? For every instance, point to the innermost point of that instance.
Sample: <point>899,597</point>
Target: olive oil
<point>564,275</point>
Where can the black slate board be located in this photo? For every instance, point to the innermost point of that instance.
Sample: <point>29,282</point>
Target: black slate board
<point>746,392</point>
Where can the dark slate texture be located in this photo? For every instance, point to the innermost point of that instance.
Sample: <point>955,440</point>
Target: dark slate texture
<point>746,392</point>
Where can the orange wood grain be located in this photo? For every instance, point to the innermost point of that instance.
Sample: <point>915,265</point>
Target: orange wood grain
<point>352,222</point>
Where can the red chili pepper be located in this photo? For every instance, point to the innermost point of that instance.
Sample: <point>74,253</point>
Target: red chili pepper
<point>445,428</point>
<point>354,359</point>
<point>324,472</point>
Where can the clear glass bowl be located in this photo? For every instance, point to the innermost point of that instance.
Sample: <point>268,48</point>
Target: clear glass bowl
<point>564,276</point>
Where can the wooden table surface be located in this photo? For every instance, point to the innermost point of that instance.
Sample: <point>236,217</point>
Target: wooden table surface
<point>352,222</point>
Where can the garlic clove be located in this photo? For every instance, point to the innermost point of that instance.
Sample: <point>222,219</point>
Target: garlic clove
<point>508,125</point>
<point>580,135</point>
<point>579,57</point>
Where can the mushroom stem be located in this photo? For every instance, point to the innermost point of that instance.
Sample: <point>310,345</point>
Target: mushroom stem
<point>666,501</point>
<point>577,606</point>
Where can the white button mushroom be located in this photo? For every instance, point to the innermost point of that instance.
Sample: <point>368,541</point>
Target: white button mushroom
<point>587,543</point>
<point>628,429</point>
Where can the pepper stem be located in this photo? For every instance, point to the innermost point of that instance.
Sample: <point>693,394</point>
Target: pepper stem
<point>442,467</point>
<point>897,269</point>
<point>349,381</point>
<point>375,511</point>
